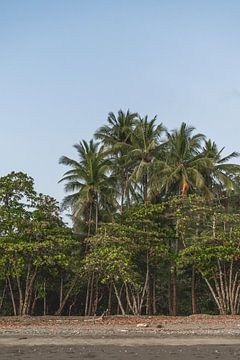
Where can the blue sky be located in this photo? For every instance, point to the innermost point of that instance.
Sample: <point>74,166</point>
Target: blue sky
<point>65,64</point>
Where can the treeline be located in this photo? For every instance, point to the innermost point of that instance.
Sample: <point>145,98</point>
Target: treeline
<point>156,228</point>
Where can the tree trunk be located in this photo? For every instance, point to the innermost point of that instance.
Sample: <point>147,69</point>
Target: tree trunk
<point>20,296</point>
<point>110,299</point>
<point>154,295</point>
<point>128,299</point>
<point>145,286</point>
<point>174,275</point>
<point>145,189</point>
<point>3,295</point>
<point>174,292</point>
<point>90,220</point>
<point>44,298</point>
<point>34,302</point>
<point>87,295</point>
<point>193,290</point>
<point>12,296</point>
<point>61,291</point>
<point>95,302</point>
<point>96,216</point>
<point>58,312</point>
<point>118,299</point>
<point>148,288</point>
<point>28,292</point>
<point>91,296</point>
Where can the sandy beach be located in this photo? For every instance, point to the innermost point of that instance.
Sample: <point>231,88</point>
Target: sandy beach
<point>193,337</point>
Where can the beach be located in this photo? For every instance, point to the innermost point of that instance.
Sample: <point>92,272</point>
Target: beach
<point>192,337</point>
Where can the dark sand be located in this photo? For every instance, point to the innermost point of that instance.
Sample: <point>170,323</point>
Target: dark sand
<point>129,347</point>
<point>208,352</point>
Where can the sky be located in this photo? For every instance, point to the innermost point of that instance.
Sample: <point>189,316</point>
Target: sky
<point>65,64</point>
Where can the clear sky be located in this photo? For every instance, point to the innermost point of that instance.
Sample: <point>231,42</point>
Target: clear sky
<point>64,64</point>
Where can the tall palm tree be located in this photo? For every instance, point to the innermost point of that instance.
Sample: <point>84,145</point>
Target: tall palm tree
<point>117,132</point>
<point>90,182</point>
<point>221,175</point>
<point>185,163</point>
<point>144,149</point>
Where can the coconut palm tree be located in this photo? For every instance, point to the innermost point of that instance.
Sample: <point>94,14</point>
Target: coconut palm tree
<point>90,183</point>
<point>144,149</point>
<point>185,164</point>
<point>117,132</point>
<point>222,174</point>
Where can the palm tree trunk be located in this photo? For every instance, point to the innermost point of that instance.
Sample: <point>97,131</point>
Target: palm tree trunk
<point>145,189</point>
<point>90,219</point>
<point>96,214</point>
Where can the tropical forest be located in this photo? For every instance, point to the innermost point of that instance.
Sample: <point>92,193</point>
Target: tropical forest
<point>149,225</point>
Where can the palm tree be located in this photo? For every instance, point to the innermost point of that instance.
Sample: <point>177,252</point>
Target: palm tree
<point>144,149</point>
<point>185,164</point>
<point>221,175</point>
<point>117,132</point>
<point>90,182</point>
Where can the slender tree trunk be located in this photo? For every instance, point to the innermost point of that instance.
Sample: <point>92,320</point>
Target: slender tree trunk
<point>122,197</point>
<point>96,215</point>
<point>154,294</point>
<point>145,286</point>
<point>36,297</point>
<point>145,189</point>
<point>72,304</point>
<point>87,295</point>
<point>215,297</point>
<point>20,296</point>
<point>61,291</point>
<point>148,288</point>
<point>170,311</point>
<point>91,296</point>
<point>96,297</point>
<point>193,285</point>
<point>58,312</point>
<point>90,219</point>
<point>128,299</point>
<point>12,296</point>
<point>118,299</point>
<point>214,226</point>
<point>174,275</point>
<point>174,292</point>
<point>44,298</point>
<point>110,298</point>
<point>3,295</point>
<point>135,301</point>
<point>193,290</point>
<point>28,292</point>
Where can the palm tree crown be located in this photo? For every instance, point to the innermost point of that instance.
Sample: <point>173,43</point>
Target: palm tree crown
<point>88,180</point>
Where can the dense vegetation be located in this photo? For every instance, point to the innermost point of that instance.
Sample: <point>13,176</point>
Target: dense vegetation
<point>155,227</point>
